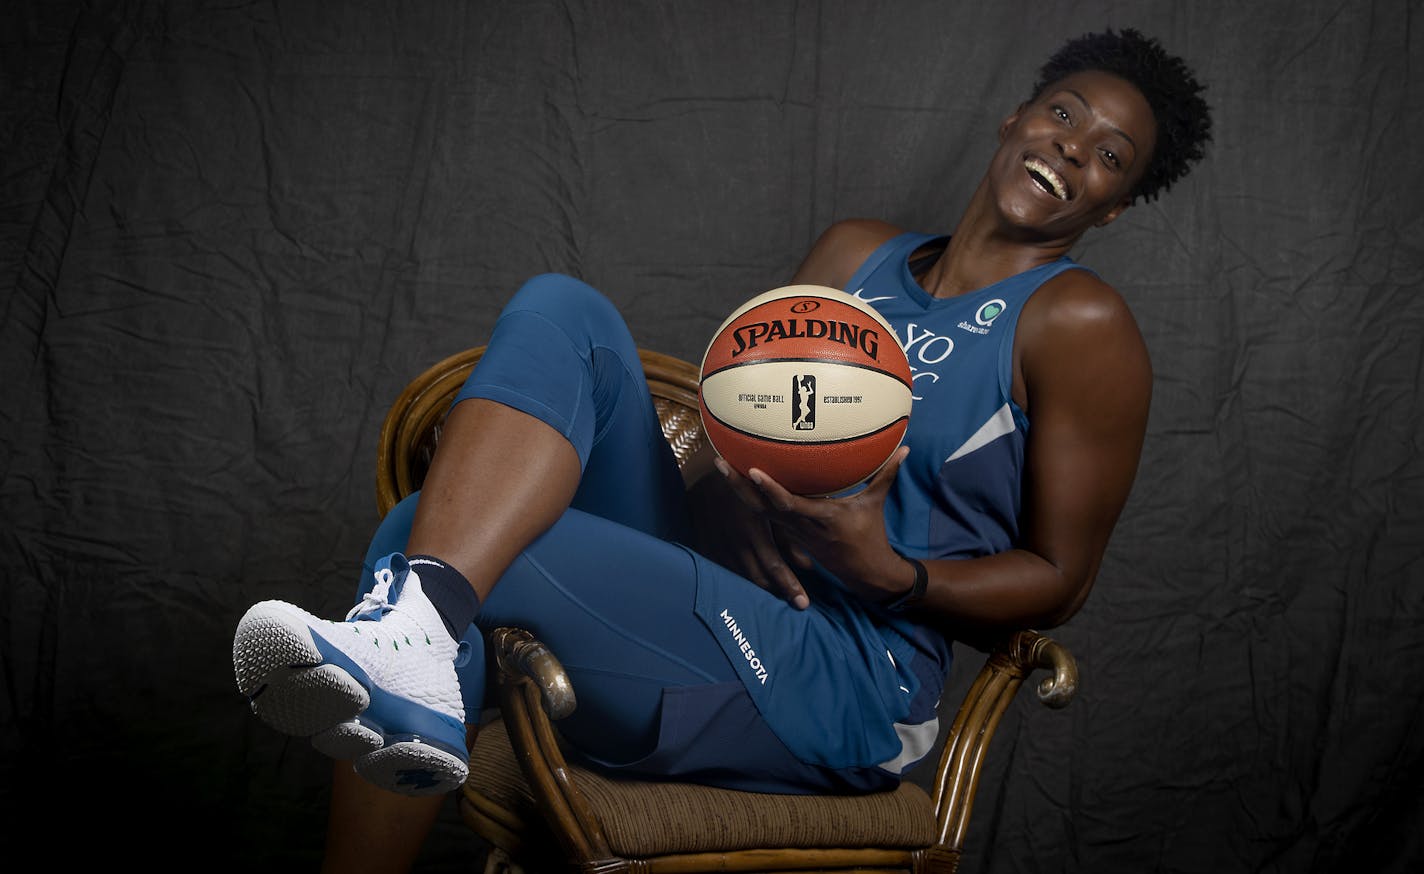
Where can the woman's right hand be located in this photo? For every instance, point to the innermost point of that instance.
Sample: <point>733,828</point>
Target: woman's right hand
<point>739,536</point>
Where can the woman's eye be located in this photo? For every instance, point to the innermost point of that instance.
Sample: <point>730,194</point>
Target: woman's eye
<point>1061,113</point>
<point>1111,157</point>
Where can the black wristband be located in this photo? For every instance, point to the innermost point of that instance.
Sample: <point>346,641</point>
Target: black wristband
<point>916,592</point>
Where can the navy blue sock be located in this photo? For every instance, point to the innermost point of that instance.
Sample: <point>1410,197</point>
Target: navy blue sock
<point>453,596</point>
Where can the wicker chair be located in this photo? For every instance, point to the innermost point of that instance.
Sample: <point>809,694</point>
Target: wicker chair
<point>547,814</point>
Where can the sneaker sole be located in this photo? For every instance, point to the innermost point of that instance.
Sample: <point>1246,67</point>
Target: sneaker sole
<point>348,741</point>
<point>282,670</point>
<point>413,768</point>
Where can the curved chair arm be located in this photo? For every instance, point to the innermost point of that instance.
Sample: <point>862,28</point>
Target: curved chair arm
<point>1056,691</point>
<point>519,653</point>
<point>532,688</point>
<point>1009,662</point>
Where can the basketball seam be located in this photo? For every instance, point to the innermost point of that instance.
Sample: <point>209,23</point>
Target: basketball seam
<point>832,361</point>
<point>853,303</point>
<point>769,439</point>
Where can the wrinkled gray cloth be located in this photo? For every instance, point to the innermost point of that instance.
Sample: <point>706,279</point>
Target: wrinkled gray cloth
<point>231,232</point>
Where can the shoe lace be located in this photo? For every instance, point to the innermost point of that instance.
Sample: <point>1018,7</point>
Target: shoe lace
<point>376,602</point>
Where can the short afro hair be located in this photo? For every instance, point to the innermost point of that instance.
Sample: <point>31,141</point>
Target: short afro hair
<point>1172,90</point>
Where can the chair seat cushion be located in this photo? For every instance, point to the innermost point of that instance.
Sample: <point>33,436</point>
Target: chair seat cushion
<point>644,818</point>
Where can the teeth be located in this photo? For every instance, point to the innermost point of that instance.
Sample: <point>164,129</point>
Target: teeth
<point>1060,188</point>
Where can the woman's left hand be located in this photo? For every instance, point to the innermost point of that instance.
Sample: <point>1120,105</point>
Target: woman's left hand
<point>846,535</point>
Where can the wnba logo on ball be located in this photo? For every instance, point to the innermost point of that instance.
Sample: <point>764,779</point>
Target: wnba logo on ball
<point>803,402</point>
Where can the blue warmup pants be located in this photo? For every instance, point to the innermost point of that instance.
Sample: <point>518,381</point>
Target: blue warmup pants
<point>608,587</point>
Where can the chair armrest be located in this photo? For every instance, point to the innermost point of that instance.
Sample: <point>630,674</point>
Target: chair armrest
<point>533,687</point>
<point>519,653</point>
<point>1010,661</point>
<point>1034,650</point>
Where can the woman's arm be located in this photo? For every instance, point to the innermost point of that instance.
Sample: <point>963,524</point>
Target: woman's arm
<point>1086,382</point>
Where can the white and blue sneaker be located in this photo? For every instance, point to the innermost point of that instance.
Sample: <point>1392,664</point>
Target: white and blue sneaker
<point>379,688</point>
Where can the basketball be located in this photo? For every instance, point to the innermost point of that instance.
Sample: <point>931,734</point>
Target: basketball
<point>807,384</point>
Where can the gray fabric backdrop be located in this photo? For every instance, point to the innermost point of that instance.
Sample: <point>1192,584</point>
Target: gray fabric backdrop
<point>231,232</point>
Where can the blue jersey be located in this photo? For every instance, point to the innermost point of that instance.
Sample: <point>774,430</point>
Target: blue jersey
<point>958,493</point>
<point>956,496</point>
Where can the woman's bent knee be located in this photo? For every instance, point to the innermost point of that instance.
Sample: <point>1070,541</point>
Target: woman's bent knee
<point>578,308</point>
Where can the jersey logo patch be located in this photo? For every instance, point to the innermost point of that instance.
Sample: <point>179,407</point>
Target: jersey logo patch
<point>989,312</point>
<point>984,316</point>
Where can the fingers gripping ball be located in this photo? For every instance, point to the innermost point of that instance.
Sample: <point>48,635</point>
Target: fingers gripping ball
<point>808,384</point>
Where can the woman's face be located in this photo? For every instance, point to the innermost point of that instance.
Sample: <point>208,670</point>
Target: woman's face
<point>1069,159</point>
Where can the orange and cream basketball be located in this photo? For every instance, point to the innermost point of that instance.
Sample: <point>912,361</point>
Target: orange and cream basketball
<point>807,384</point>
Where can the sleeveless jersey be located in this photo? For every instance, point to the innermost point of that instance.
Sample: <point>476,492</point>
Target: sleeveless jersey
<point>956,496</point>
<point>958,493</point>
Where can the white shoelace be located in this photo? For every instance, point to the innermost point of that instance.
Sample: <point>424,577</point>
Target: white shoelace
<point>376,601</point>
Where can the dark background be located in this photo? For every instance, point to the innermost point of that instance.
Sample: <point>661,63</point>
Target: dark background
<point>231,231</point>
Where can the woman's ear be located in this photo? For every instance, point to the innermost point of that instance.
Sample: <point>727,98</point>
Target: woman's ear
<point>1010,122</point>
<point>1114,213</point>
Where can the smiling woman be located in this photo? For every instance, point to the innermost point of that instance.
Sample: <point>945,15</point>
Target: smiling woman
<point>1182,122</point>
<point>553,503</point>
<point>1085,142</point>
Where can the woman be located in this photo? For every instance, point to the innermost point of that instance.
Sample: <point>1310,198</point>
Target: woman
<point>813,631</point>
